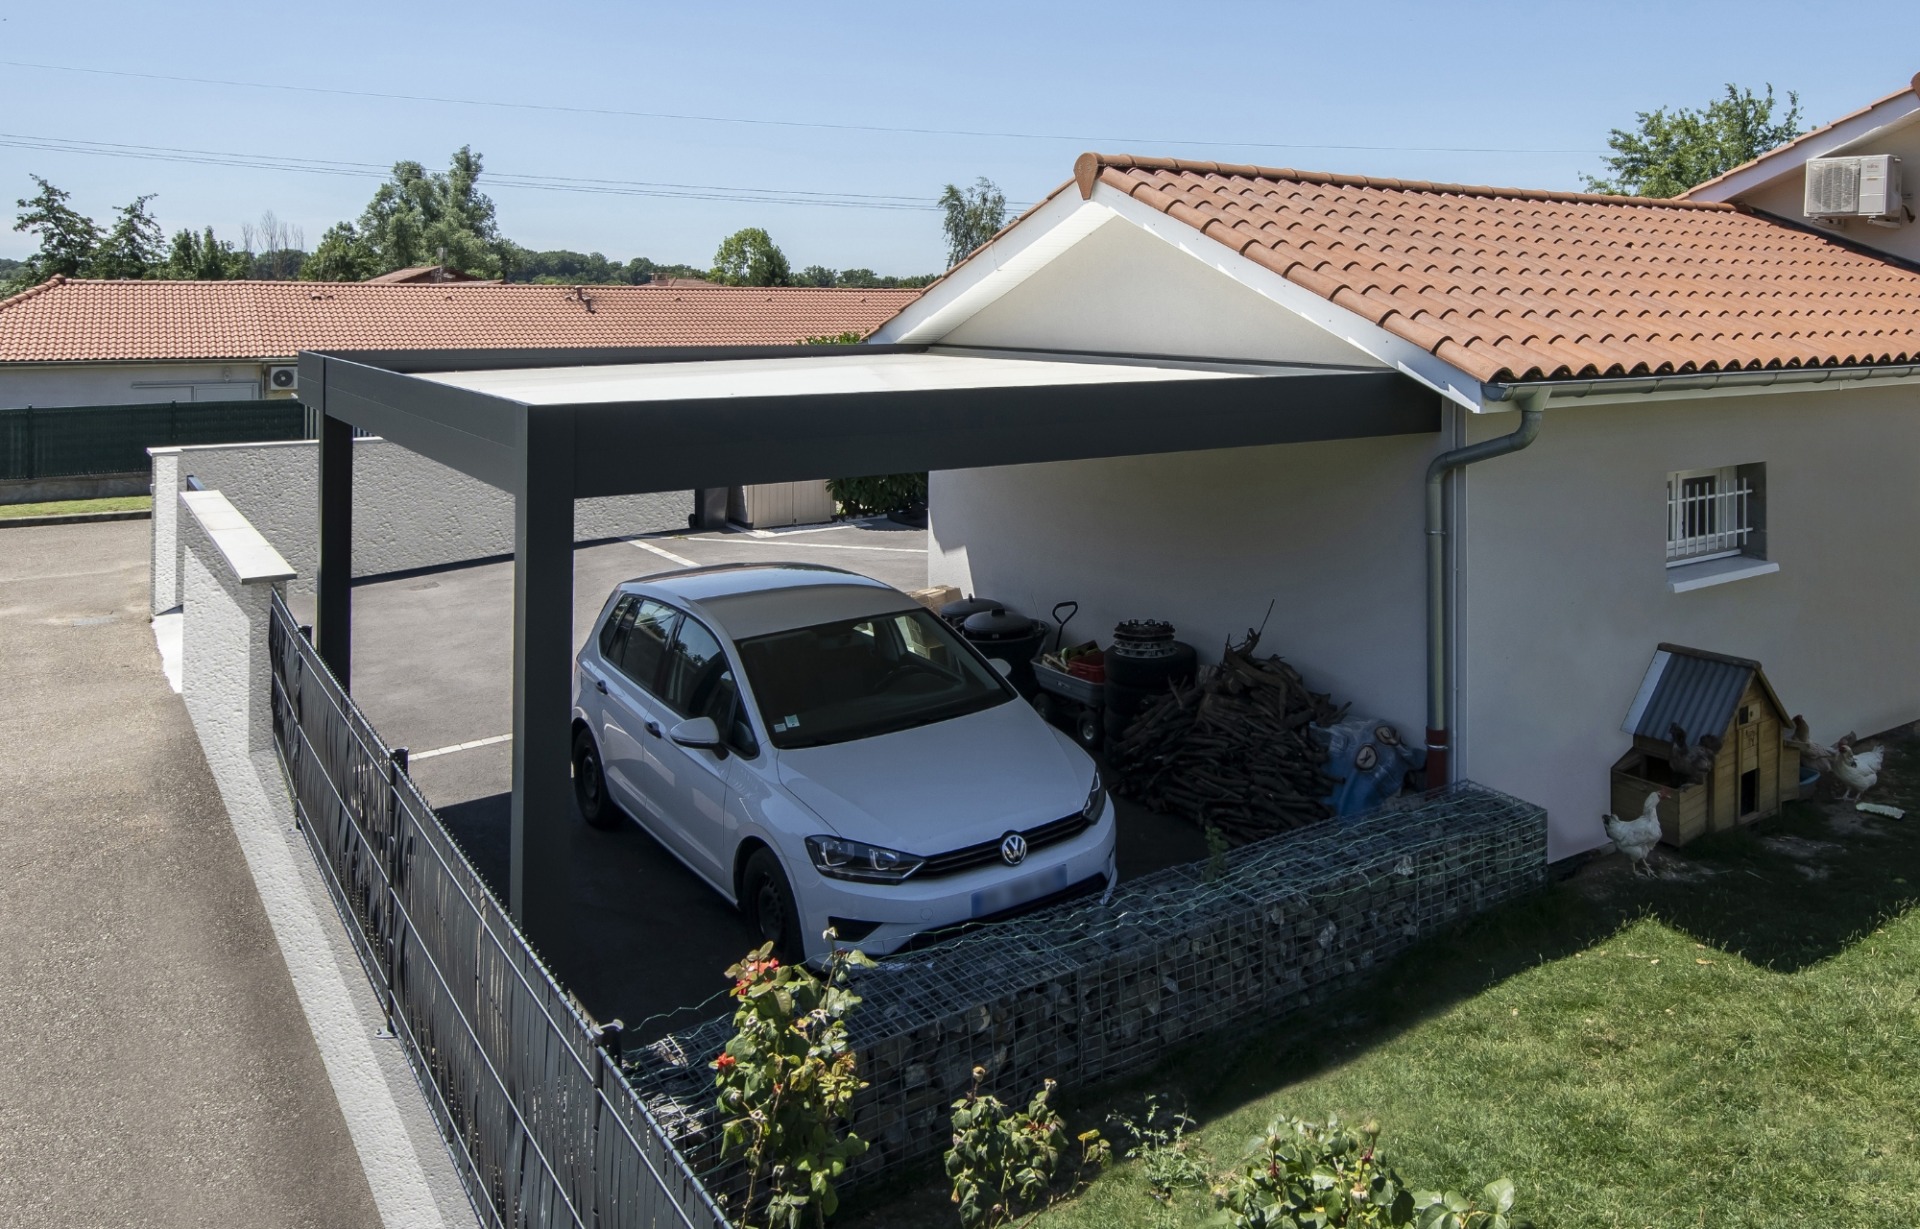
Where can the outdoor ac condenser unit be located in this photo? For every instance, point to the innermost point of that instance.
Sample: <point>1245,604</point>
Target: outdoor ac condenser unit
<point>1862,187</point>
<point>283,379</point>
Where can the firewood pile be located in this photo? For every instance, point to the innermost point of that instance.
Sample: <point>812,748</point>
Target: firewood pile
<point>1233,751</point>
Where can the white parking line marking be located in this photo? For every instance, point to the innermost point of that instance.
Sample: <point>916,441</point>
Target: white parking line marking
<point>740,540</point>
<point>416,756</point>
<point>682,560</point>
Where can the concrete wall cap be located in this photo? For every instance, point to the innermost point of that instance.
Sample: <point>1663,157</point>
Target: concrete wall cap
<point>251,556</point>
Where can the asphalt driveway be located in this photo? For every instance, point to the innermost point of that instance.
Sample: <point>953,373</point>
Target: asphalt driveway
<point>156,1068</point>
<point>645,941</point>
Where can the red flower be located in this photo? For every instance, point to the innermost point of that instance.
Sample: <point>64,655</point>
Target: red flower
<point>724,1063</point>
<point>770,965</point>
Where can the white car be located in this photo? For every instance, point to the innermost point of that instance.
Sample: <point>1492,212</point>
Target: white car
<point>826,752</point>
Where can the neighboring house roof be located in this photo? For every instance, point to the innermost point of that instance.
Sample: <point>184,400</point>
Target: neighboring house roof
<point>426,273</point>
<point>1695,690</point>
<point>1510,284</point>
<point>1895,106</point>
<point>67,320</point>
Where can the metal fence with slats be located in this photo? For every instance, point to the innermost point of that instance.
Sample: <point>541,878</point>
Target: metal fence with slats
<point>542,1125</point>
<point>80,441</point>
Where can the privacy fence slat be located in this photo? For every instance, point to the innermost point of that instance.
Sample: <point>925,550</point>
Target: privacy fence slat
<point>78,441</point>
<point>543,1129</point>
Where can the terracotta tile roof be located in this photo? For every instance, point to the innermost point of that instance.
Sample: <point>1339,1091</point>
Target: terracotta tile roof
<point>74,320</point>
<point>1513,284</point>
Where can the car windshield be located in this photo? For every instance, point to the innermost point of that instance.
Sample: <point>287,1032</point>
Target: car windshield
<point>858,678</point>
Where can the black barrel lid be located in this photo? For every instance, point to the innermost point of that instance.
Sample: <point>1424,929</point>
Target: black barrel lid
<point>997,623</point>
<point>954,612</point>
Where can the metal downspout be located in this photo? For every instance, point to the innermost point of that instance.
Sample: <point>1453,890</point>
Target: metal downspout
<point>1439,635</point>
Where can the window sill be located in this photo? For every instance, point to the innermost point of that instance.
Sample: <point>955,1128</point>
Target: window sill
<point>1693,576</point>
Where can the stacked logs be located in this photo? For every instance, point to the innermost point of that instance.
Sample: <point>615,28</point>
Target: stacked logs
<point>1232,752</point>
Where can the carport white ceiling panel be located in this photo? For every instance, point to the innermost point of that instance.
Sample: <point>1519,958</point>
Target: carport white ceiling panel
<point>812,375</point>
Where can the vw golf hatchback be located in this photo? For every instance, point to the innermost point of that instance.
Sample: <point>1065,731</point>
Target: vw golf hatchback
<point>827,753</point>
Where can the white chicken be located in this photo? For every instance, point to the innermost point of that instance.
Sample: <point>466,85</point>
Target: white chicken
<point>1636,837</point>
<point>1856,771</point>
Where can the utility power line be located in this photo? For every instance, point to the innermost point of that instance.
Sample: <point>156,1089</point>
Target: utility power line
<point>490,179</point>
<point>762,121</point>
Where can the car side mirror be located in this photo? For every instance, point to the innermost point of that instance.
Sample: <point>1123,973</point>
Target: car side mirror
<point>1004,666</point>
<point>696,732</point>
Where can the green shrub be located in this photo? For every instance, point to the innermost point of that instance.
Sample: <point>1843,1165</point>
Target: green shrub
<point>1004,1162</point>
<point>1302,1175</point>
<point>786,1078</point>
<point>879,494</point>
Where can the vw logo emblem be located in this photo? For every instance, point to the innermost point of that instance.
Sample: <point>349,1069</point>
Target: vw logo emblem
<point>1014,849</point>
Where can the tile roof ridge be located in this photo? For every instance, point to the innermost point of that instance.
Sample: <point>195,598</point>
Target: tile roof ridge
<point>1088,167</point>
<point>32,292</point>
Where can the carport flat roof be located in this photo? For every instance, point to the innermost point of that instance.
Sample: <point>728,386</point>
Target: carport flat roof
<point>826,374</point>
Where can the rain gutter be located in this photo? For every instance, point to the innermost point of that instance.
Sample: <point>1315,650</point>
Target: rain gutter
<point>1729,381</point>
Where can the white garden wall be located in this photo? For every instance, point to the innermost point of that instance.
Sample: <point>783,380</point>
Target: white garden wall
<point>408,512</point>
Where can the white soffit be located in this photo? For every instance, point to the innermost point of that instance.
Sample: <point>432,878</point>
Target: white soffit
<point>997,268</point>
<point>818,375</point>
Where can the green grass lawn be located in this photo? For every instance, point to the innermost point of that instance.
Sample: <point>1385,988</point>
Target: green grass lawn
<point>68,507</point>
<point>1736,1043</point>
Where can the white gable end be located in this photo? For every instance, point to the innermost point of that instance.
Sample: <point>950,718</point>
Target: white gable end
<point>1121,290</point>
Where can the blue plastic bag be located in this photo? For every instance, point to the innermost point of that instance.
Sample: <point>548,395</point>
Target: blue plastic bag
<point>1369,762</point>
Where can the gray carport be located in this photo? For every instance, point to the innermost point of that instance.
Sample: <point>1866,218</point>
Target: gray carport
<point>553,426</point>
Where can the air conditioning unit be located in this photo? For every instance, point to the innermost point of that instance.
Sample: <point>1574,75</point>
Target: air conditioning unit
<point>283,379</point>
<point>1863,187</point>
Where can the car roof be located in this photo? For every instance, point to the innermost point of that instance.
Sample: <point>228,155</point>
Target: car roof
<point>752,599</point>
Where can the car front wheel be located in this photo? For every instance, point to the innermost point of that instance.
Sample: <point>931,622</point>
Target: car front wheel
<point>767,899</point>
<point>590,784</point>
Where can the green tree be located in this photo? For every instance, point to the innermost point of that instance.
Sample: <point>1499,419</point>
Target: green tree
<point>68,238</point>
<point>203,258</point>
<point>340,256</point>
<point>973,216</point>
<point>816,275</point>
<point>132,247</point>
<point>750,258</point>
<point>1672,151</point>
<point>418,218</point>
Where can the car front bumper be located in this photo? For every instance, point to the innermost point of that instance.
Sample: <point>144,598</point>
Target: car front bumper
<point>899,911</point>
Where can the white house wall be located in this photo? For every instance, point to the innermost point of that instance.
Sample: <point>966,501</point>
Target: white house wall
<point>1120,290</point>
<point>63,384</point>
<point>408,512</point>
<point>1565,593</point>
<point>1328,533</point>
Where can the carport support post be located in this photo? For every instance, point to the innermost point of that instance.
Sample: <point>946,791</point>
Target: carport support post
<point>542,663</point>
<point>333,577</point>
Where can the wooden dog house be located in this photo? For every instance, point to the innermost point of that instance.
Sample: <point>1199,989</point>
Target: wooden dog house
<point>1707,693</point>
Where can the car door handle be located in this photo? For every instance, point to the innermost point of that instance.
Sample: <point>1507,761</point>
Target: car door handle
<point>653,728</point>
<point>600,685</point>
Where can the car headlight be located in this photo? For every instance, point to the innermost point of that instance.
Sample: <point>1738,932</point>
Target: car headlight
<point>863,863</point>
<point>1096,800</point>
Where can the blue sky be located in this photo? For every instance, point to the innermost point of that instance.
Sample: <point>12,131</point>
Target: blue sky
<point>1460,92</point>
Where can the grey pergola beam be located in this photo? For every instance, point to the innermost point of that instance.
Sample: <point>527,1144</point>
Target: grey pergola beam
<point>627,448</point>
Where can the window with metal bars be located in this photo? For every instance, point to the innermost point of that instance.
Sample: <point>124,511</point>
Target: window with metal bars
<point>1715,513</point>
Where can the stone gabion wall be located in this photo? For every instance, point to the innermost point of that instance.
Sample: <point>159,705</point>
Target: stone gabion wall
<point>1087,991</point>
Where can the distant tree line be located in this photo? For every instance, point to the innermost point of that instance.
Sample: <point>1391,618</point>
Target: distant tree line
<point>422,218</point>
